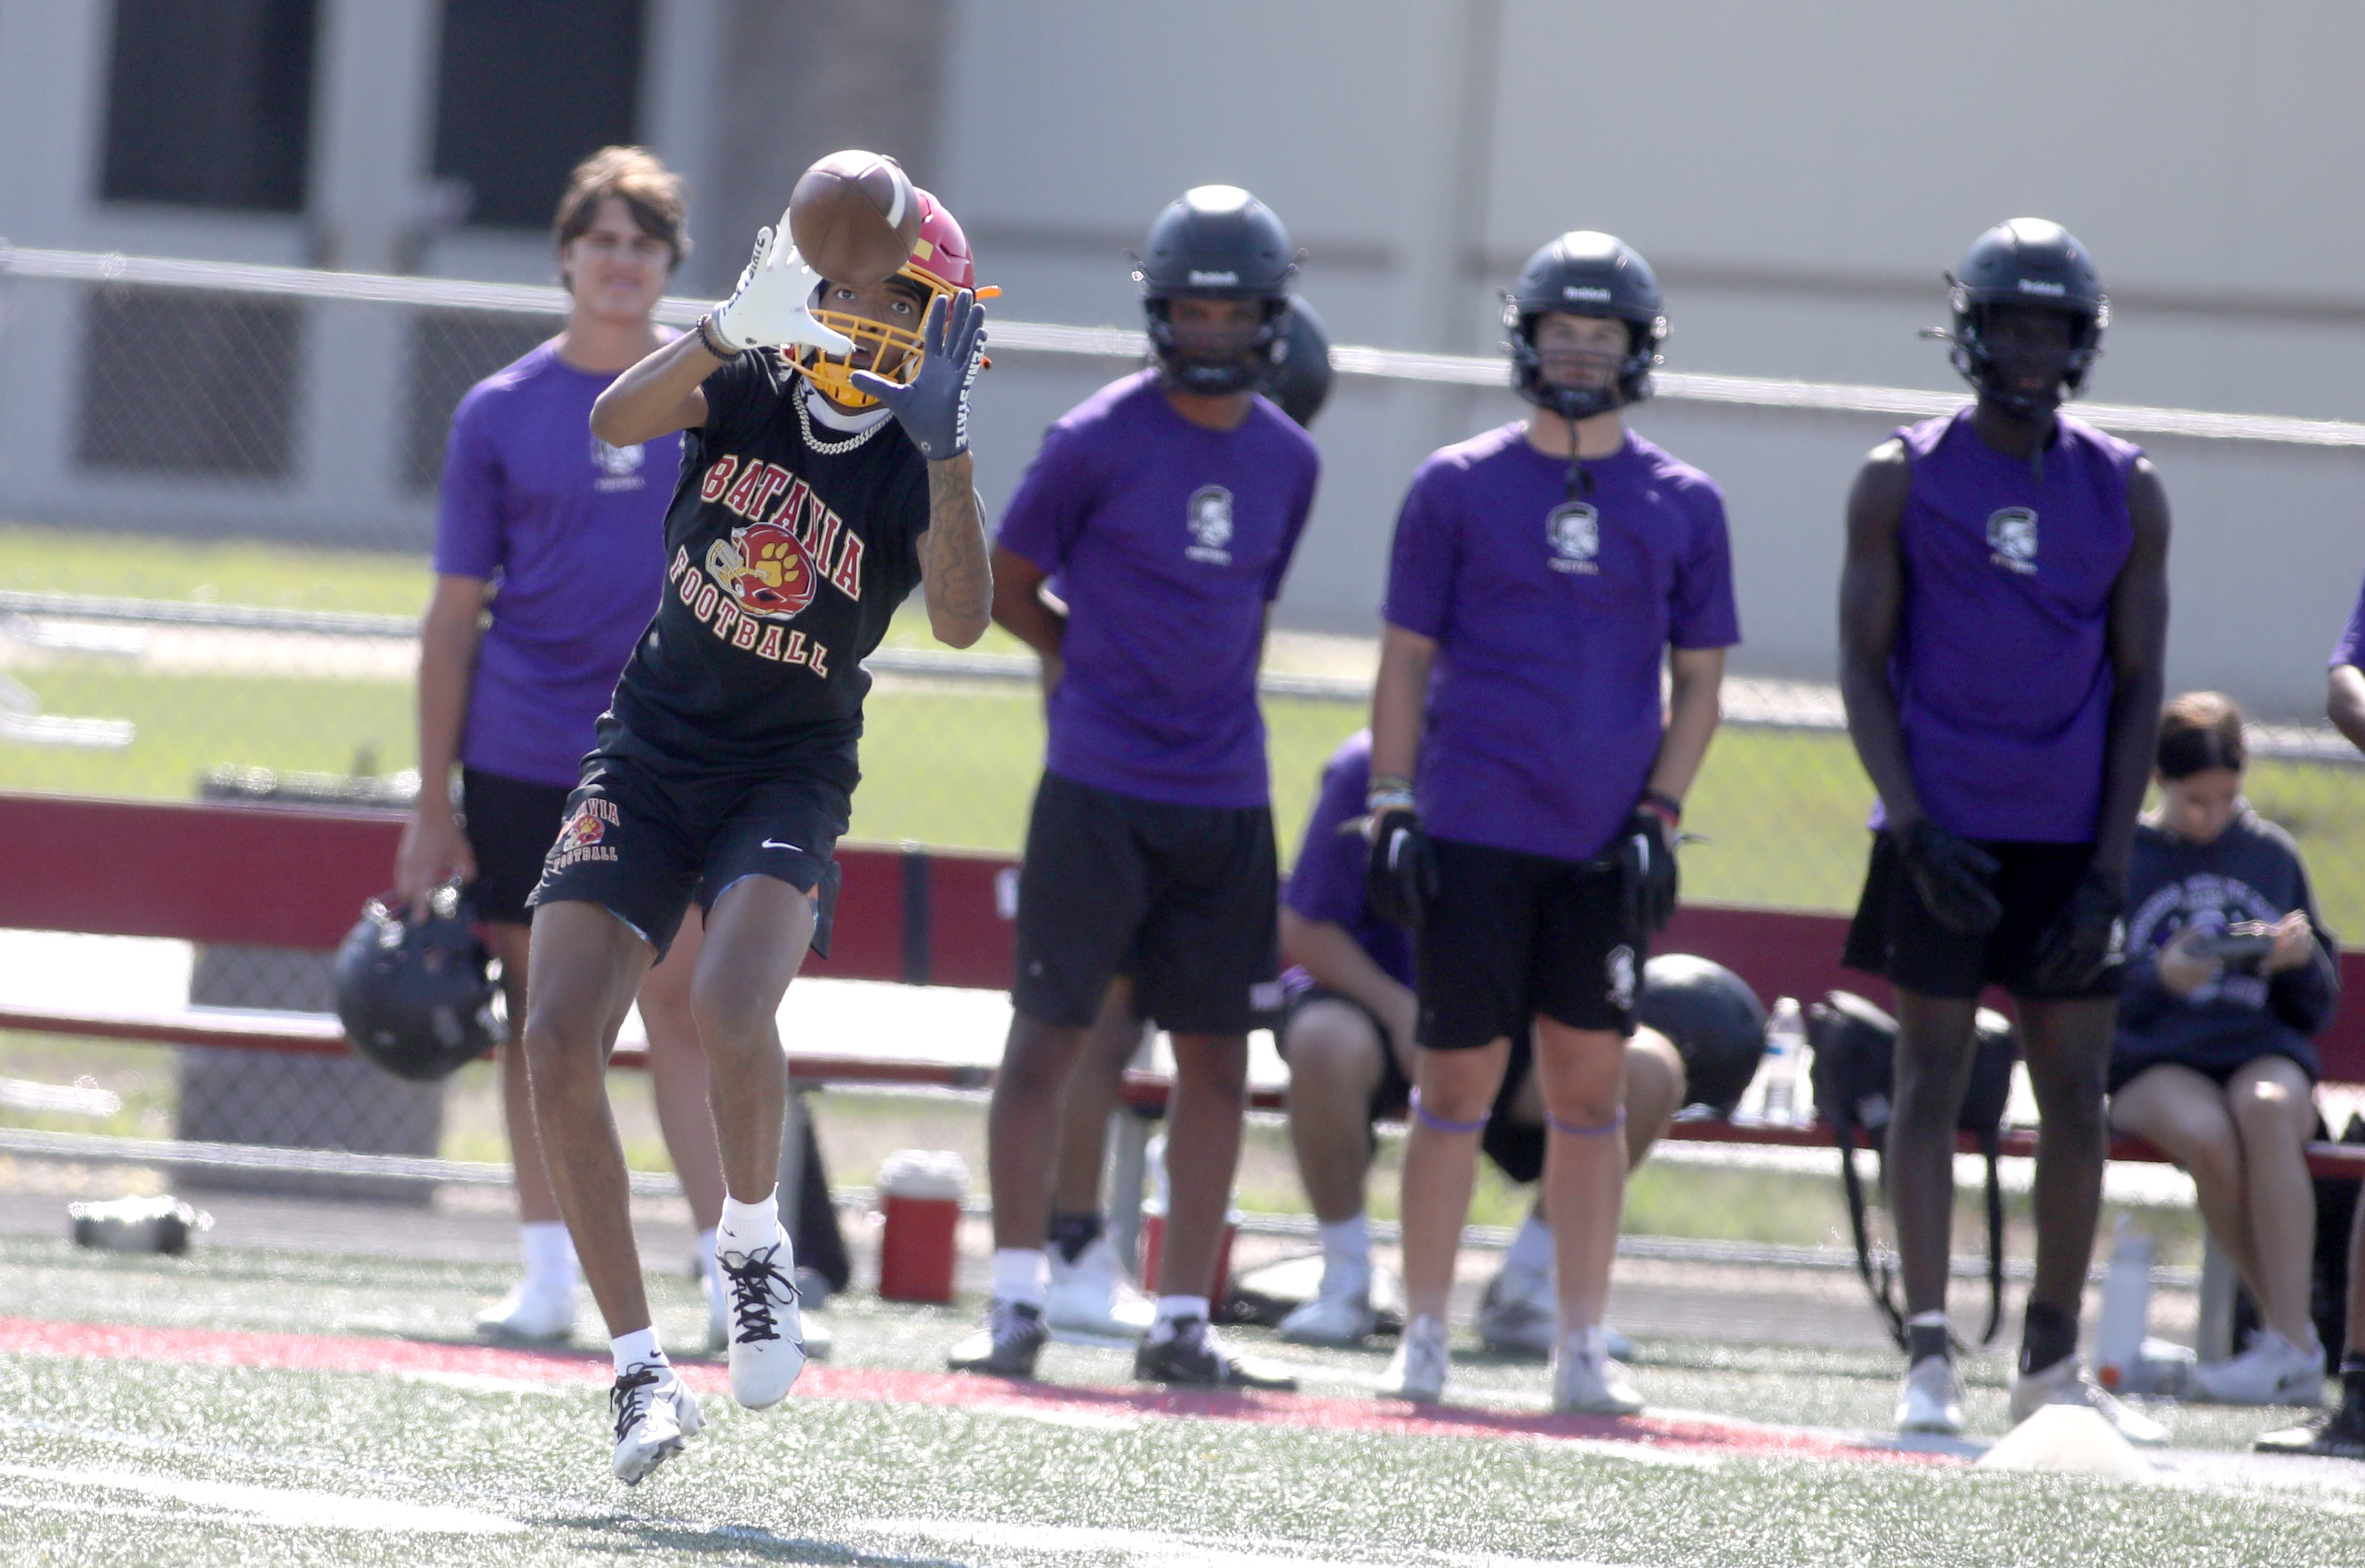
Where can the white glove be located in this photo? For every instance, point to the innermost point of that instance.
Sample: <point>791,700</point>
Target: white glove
<point>770,305</point>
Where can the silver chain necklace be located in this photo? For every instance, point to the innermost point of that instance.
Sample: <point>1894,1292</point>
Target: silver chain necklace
<point>832,448</point>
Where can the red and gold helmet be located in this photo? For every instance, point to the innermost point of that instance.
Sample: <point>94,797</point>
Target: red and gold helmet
<point>941,265</point>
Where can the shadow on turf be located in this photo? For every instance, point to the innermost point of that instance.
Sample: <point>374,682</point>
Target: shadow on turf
<point>622,1535</point>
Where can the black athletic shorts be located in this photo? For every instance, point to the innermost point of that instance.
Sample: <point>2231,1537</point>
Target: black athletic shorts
<point>1511,936</point>
<point>512,826</point>
<point>1894,934</point>
<point>2218,1070</point>
<point>645,833</point>
<point>1515,1148</point>
<point>1184,896</point>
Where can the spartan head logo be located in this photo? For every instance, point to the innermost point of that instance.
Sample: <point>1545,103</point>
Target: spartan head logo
<point>1211,517</point>
<point>1573,531</point>
<point>2012,534</point>
<point>617,462</point>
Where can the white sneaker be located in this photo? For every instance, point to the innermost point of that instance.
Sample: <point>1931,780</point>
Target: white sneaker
<point>718,1310</point>
<point>1931,1398</point>
<point>1587,1382</point>
<point>1340,1314</point>
<point>530,1314</point>
<point>767,1346</point>
<point>654,1412</point>
<point>1417,1371</point>
<point>1517,1314</point>
<point>1092,1295</point>
<point>2272,1371</point>
<point>2065,1382</point>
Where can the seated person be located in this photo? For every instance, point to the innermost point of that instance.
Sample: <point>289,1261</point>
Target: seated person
<point>2229,975</point>
<point>1348,1037</point>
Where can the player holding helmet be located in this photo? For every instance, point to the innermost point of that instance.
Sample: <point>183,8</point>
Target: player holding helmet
<point>2003,610</point>
<point>1168,504</point>
<point>824,472</point>
<point>1541,575</point>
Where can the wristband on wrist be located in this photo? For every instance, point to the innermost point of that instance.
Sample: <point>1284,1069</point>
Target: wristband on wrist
<point>1379,800</point>
<point>711,338</point>
<point>1389,783</point>
<point>1665,806</point>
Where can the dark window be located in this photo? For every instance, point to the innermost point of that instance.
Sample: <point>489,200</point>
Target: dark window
<point>451,350</point>
<point>179,382</point>
<point>525,89</point>
<point>209,103</point>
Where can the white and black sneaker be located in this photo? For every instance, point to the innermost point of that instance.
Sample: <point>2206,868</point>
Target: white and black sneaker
<point>1012,1336</point>
<point>654,1412</point>
<point>768,1343</point>
<point>1190,1357</point>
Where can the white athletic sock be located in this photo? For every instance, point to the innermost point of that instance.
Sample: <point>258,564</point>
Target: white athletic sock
<point>1172,1309</point>
<point>749,1227</point>
<point>637,1349</point>
<point>1531,1252</point>
<point>549,1256</point>
<point>1021,1274</point>
<point>1346,1241</point>
<point>710,1266</point>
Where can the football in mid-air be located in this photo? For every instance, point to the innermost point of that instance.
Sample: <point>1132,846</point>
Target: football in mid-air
<point>854,218</point>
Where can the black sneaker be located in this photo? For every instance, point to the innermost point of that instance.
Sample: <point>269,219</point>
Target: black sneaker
<point>1013,1336</point>
<point>2338,1433</point>
<point>1190,1358</point>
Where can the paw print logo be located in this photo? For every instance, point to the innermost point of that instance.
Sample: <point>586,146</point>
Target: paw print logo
<point>766,570</point>
<point>583,830</point>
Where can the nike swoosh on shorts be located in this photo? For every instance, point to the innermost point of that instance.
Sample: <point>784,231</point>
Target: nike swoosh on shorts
<point>776,844</point>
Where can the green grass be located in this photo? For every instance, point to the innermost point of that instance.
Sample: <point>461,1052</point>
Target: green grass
<point>237,571</point>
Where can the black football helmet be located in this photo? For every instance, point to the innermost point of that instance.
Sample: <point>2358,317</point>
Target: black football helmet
<point>415,997</point>
<point>1715,1020</point>
<point>1215,243</point>
<point>1298,379</point>
<point>1584,273</point>
<point>2027,262</point>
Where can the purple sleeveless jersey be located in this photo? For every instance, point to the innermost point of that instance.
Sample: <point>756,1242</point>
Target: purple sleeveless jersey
<point>2002,667</point>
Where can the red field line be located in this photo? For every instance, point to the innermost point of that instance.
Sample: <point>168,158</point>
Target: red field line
<point>310,1353</point>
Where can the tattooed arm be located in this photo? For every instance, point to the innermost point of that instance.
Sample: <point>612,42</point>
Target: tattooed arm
<point>954,574</point>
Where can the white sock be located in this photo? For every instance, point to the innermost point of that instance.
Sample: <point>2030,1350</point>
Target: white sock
<point>1531,1252</point>
<point>1347,1243</point>
<point>1021,1274</point>
<point>549,1256</point>
<point>710,1266</point>
<point>1591,1340</point>
<point>1172,1309</point>
<point>637,1349</point>
<point>749,1227</point>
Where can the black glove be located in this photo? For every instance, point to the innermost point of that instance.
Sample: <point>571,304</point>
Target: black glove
<point>1953,877</point>
<point>1400,877</point>
<point>934,410</point>
<point>2086,937</point>
<point>1645,852</point>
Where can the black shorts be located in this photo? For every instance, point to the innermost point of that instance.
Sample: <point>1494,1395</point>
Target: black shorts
<point>1515,1148</point>
<point>645,833</point>
<point>1894,934</point>
<point>1184,896</point>
<point>1511,936</point>
<point>2218,1070</point>
<point>512,826</point>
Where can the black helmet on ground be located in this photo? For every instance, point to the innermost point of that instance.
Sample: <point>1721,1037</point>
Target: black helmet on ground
<point>1584,273</point>
<point>415,997</point>
<point>2026,262</point>
<point>1716,1022</point>
<point>1215,243</point>
<point>1298,379</point>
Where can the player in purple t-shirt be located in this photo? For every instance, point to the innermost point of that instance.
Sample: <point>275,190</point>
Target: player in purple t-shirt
<point>1542,574</point>
<point>1347,1032</point>
<point>2003,613</point>
<point>554,542</point>
<point>1168,505</point>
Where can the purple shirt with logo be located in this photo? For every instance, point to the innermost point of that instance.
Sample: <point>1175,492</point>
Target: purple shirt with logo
<point>1168,539</point>
<point>573,531</point>
<point>1326,883</point>
<point>1552,618</point>
<point>2002,666</point>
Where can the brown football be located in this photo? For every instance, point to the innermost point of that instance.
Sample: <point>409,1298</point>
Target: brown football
<point>854,218</point>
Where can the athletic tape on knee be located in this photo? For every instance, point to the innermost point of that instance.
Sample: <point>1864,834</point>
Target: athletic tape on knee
<point>1615,1124</point>
<point>1429,1119</point>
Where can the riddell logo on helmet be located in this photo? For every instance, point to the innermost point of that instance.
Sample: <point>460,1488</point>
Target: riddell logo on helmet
<point>1213,280</point>
<point>2044,285</point>
<point>1573,291</point>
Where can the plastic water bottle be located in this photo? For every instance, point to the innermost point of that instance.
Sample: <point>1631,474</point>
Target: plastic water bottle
<point>2126,1302</point>
<point>1785,1042</point>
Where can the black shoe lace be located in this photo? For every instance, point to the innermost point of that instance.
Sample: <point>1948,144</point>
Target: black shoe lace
<point>753,1286</point>
<point>630,1397</point>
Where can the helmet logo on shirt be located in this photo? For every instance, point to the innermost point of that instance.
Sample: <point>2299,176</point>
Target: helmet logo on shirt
<point>1573,531</point>
<point>1210,523</point>
<point>765,569</point>
<point>2012,535</point>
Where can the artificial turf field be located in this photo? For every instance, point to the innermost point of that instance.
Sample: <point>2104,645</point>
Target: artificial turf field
<point>271,1407</point>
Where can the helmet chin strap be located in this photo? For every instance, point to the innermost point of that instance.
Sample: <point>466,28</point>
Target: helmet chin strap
<point>1580,483</point>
